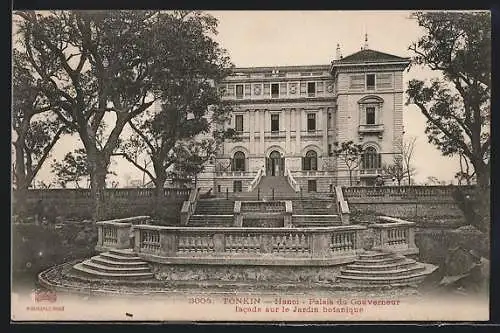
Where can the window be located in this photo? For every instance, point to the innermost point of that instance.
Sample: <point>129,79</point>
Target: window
<point>357,82</point>
<point>330,152</point>
<point>218,188</point>
<point>275,90</point>
<point>370,81</point>
<point>237,186</point>
<point>239,123</point>
<point>310,162</point>
<point>275,123</point>
<point>371,159</point>
<point>311,122</point>
<point>329,115</point>
<point>370,115</point>
<point>311,185</point>
<point>239,91</point>
<point>239,161</point>
<point>311,89</point>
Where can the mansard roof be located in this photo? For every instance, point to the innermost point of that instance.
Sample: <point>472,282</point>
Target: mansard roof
<point>370,56</point>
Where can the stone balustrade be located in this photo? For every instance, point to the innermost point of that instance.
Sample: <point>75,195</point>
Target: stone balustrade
<point>342,205</point>
<point>394,235</point>
<point>189,206</point>
<point>364,193</point>
<point>115,234</point>
<point>301,246</point>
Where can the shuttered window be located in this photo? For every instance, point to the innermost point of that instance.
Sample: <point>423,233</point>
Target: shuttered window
<point>357,82</point>
<point>384,81</point>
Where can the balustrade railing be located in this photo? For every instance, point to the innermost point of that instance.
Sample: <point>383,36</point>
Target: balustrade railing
<point>253,184</point>
<point>189,206</point>
<point>342,205</point>
<point>291,180</point>
<point>320,243</point>
<point>115,234</point>
<point>262,206</point>
<point>392,234</point>
<point>404,191</point>
<point>48,194</point>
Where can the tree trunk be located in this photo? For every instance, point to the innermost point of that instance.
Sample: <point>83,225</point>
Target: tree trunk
<point>159,184</point>
<point>350,177</point>
<point>21,181</point>
<point>98,171</point>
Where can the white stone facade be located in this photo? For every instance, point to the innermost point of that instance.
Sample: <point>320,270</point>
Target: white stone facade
<point>299,112</point>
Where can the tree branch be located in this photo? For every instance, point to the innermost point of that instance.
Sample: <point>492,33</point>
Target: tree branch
<point>137,165</point>
<point>443,129</point>
<point>46,152</point>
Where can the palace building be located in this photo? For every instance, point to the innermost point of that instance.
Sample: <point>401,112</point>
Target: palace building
<point>289,119</point>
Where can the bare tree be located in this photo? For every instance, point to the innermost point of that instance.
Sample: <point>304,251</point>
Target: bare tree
<point>407,150</point>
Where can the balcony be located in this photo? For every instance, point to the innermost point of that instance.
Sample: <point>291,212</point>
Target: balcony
<point>274,134</point>
<point>311,133</point>
<point>371,129</point>
<point>369,173</point>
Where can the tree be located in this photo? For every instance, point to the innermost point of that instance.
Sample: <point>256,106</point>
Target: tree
<point>395,170</point>
<point>72,168</point>
<point>457,106</point>
<point>99,68</point>
<point>349,153</point>
<point>406,148</point>
<point>35,130</point>
<point>190,104</point>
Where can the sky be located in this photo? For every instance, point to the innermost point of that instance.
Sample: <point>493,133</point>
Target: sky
<point>279,38</point>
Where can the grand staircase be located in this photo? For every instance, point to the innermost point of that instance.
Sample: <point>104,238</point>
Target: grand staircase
<point>282,189</point>
<point>381,268</point>
<point>315,213</point>
<point>212,213</point>
<point>115,265</point>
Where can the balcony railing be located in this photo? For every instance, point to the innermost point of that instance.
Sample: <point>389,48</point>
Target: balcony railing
<point>313,173</point>
<point>365,173</point>
<point>248,174</point>
<point>375,128</point>
<point>247,245</point>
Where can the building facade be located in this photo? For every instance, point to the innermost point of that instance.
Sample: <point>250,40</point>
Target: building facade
<point>290,118</point>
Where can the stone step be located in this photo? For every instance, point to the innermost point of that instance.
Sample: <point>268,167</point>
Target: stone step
<point>411,278</point>
<point>114,269</point>
<point>120,258</point>
<point>306,218</point>
<point>389,260</point>
<point>106,262</point>
<point>376,255</point>
<point>384,273</point>
<point>123,252</point>
<point>381,267</point>
<point>86,271</point>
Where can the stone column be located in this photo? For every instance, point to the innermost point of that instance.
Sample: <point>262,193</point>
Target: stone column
<point>324,119</point>
<point>298,127</point>
<point>262,114</point>
<point>288,128</point>
<point>251,144</point>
